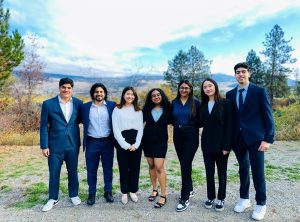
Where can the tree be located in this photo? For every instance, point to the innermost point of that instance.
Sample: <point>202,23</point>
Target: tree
<point>191,65</point>
<point>278,55</point>
<point>258,74</point>
<point>29,77</point>
<point>11,47</point>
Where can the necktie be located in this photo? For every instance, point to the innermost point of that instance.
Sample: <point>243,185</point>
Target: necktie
<point>241,101</point>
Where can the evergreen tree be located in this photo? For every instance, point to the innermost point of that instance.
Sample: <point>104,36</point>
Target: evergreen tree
<point>258,74</point>
<point>190,65</point>
<point>11,47</point>
<point>278,54</point>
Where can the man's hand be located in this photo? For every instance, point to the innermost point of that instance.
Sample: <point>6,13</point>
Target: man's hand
<point>46,152</point>
<point>263,146</point>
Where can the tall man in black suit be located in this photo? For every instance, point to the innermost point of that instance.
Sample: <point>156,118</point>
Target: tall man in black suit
<point>253,133</point>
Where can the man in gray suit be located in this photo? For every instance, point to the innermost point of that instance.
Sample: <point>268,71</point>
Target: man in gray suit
<point>60,140</point>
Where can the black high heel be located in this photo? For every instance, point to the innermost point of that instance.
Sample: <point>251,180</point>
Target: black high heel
<point>160,205</point>
<point>152,197</point>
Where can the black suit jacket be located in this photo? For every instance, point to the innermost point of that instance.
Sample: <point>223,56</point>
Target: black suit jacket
<point>256,119</point>
<point>156,132</point>
<point>217,127</point>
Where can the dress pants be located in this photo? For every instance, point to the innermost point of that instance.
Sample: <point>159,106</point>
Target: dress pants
<point>129,168</point>
<point>186,142</point>
<point>55,161</point>
<point>97,149</point>
<point>210,160</point>
<point>248,155</point>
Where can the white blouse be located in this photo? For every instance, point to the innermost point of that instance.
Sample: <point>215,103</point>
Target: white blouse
<point>127,118</point>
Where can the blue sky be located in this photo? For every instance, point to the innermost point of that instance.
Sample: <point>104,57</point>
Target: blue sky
<point>100,37</point>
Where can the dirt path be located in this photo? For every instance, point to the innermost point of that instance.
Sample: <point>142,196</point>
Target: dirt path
<point>283,193</point>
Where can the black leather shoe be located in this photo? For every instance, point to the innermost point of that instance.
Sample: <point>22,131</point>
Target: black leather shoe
<point>108,197</point>
<point>91,199</point>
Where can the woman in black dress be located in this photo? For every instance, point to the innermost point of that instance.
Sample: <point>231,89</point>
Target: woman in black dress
<point>216,120</point>
<point>156,114</point>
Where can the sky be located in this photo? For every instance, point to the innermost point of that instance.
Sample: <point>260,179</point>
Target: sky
<point>117,37</point>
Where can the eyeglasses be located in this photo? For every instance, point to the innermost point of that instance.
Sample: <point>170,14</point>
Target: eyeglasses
<point>184,88</point>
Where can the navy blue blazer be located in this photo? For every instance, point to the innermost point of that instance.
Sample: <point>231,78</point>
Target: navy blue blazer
<point>85,112</point>
<point>55,130</point>
<point>256,118</point>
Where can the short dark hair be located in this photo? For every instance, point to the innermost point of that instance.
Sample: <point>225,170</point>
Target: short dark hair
<point>64,81</point>
<point>242,65</point>
<point>94,87</point>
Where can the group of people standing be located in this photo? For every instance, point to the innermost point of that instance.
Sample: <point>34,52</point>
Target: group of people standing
<point>242,121</point>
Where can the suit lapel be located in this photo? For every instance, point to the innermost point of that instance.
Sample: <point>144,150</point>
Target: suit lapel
<point>59,109</point>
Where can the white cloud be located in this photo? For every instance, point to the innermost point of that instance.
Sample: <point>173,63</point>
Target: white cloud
<point>103,30</point>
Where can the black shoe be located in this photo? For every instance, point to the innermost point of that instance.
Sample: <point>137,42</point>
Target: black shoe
<point>219,205</point>
<point>182,206</point>
<point>209,203</point>
<point>91,199</point>
<point>108,197</point>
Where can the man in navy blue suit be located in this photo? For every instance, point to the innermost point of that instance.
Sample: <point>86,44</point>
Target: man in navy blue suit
<point>98,140</point>
<point>253,134</point>
<point>60,140</point>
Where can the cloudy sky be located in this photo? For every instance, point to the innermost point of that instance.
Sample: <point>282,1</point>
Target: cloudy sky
<point>115,37</point>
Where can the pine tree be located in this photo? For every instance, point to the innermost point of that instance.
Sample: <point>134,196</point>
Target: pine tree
<point>11,47</point>
<point>278,54</point>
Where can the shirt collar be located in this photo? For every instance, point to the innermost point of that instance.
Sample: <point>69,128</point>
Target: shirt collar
<point>245,88</point>
<point>104,103</point>
<point>61,101</point>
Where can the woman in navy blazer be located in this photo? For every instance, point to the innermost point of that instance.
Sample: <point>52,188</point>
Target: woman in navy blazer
<point>216,120</point>
<point>185,116</point>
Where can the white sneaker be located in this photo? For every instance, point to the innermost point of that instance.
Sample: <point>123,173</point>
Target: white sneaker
<point>259,212</point>
<point>133,197</point>
<point>49,205</point>
<point>242,205</point>
<point>124,199</point>
<point>75,200</point>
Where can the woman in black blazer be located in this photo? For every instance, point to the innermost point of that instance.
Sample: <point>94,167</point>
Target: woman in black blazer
<point>156,115</point>
<point>216,120</point>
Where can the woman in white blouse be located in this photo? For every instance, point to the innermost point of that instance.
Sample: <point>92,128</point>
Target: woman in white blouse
<point>127,120</point>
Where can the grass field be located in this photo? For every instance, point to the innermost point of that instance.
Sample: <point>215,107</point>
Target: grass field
<point>24,173</point>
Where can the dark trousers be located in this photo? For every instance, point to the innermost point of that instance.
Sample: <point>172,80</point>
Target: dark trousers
<point>95,150</point>
<point>250,156</point>
<point>210,160</point>
<point>129,169</point>
<point>55,161</point>
<point>186,142</point>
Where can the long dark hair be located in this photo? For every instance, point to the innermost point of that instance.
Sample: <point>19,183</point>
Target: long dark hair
<point>191,98</point>
<point>134,102</point>
<point>217,97</point>
<point>149,104</point>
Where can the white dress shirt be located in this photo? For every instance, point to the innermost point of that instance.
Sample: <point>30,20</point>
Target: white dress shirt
<point>99,125</point>
<point>66,108</point>
<point>125,119</point>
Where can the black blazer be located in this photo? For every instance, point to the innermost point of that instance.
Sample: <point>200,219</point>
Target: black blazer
<point>217,126</point>
<point>156,132</point>
<point>256,118</point>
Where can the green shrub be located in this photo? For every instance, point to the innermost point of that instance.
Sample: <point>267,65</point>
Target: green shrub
<point>287,122</point>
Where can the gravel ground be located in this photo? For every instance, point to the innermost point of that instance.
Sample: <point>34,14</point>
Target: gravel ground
<point>283,201</point>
